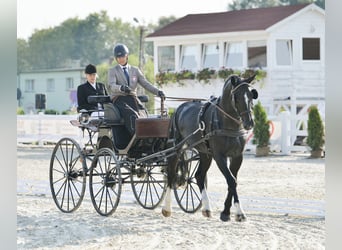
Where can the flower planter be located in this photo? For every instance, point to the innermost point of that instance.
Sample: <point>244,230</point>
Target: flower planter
<point>262,151</point>
<point>316,153</point>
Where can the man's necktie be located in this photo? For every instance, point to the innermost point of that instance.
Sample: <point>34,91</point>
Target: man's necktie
<point>126,74</point>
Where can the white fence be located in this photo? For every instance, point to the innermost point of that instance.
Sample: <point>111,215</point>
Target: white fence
<point>42,129</point>
<point>285,132</point>
<point>45,128</point>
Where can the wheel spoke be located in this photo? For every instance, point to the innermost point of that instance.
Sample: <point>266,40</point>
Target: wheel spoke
<point>105,182</point>
<point>67,175</point>
<point>187,195</point>
<point>149,185</point>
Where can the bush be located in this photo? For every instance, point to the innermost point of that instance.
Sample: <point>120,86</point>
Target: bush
<point>261,127</point>
<point>51,112</point>
<point>171,111</point>
<point>20,111</point>
<point>315,138</point>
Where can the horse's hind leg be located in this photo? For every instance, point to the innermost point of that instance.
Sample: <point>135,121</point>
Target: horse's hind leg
<point>171,176</point>
<point>201,174</point>
<point>166,210</point>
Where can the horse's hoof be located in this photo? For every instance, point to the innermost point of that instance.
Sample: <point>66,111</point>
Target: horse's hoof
<point>240,217</point>
<point>224,217</point>
<point>206,213</point>
<point>166,213</point>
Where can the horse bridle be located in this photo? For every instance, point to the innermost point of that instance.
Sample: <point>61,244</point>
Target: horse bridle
<point>225,113</point>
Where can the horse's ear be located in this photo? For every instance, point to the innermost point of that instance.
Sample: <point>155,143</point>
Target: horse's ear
<point>234,80</point>
<point>254,93</point>
<point>250,79</point>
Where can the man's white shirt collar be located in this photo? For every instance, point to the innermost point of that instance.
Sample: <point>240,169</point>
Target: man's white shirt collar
<point>93,85</point>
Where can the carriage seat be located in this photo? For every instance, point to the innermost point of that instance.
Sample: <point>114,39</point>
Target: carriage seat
<point>111,116</point>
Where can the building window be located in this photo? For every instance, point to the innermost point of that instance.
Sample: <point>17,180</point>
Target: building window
<point>311,49</point>
<point>29,85</point>
<point>284,52</point>
<point>188,57</point>
<point>166,58</point>
<point>69,83</point>
<point>257,54</point>
<point>50,85</point>
<point>233,55</point>
<point>210,56</point>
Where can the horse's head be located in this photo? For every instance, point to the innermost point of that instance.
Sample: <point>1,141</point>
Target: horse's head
<point>242,99</point>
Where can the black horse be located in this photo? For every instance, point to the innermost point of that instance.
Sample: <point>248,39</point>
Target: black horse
<point>224,123</point>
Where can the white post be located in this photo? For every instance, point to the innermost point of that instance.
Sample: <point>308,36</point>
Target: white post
<point>40,117</point>
<point>285,132</point>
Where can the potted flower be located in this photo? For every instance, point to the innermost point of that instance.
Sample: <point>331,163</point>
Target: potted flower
<point>315,139</point>
<point>205,75</point>
<point>261,130</point>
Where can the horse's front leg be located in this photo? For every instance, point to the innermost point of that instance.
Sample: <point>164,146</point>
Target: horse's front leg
<point>239,213</point>
<point>234,166</point>
<point>230,176</point>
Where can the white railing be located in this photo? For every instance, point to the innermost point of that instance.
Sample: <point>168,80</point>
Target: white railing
<point>43,129</point>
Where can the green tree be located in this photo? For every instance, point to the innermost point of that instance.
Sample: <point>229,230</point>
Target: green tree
<point>91,37</point>
<point>23,61</point>
<point>90,40</point>
<point>320,3</point>
<point>315,129</point>
<point>261,126</point>
<point>249,4</point>
<point>44,50</point>
<point>162,22</point>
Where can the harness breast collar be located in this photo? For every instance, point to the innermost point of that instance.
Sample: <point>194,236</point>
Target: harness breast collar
<point>214,126</point>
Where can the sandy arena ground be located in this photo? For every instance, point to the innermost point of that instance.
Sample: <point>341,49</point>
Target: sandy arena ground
<point>283,198</point>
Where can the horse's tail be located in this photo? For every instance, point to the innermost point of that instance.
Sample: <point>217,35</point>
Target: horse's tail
<point>175,138</point>
<point>174,131</point>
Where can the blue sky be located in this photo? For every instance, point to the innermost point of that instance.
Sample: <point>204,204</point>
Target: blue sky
<point>39,14</point>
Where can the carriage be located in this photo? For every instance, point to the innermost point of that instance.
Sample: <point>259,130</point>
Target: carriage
<point>109,158</point>
<point>163,154</point>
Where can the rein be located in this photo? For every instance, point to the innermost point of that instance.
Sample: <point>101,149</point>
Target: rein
<point>216,106</point>
<point>225,113</point>
<point>185,99</point>
<point>202,99</point>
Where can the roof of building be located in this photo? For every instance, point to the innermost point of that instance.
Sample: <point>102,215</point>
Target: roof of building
<point>228,21</point>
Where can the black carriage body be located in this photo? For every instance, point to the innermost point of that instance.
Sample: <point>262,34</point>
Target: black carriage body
<point>115,159</point>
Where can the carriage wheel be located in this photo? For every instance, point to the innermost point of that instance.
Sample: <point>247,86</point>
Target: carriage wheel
<point>105,182</point>
<point>67,175</point>
<point>186,191</point>
<point>149,184</point>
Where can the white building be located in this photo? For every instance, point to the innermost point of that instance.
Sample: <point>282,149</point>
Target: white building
<point>287,42</point>
<point>59,86</point>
